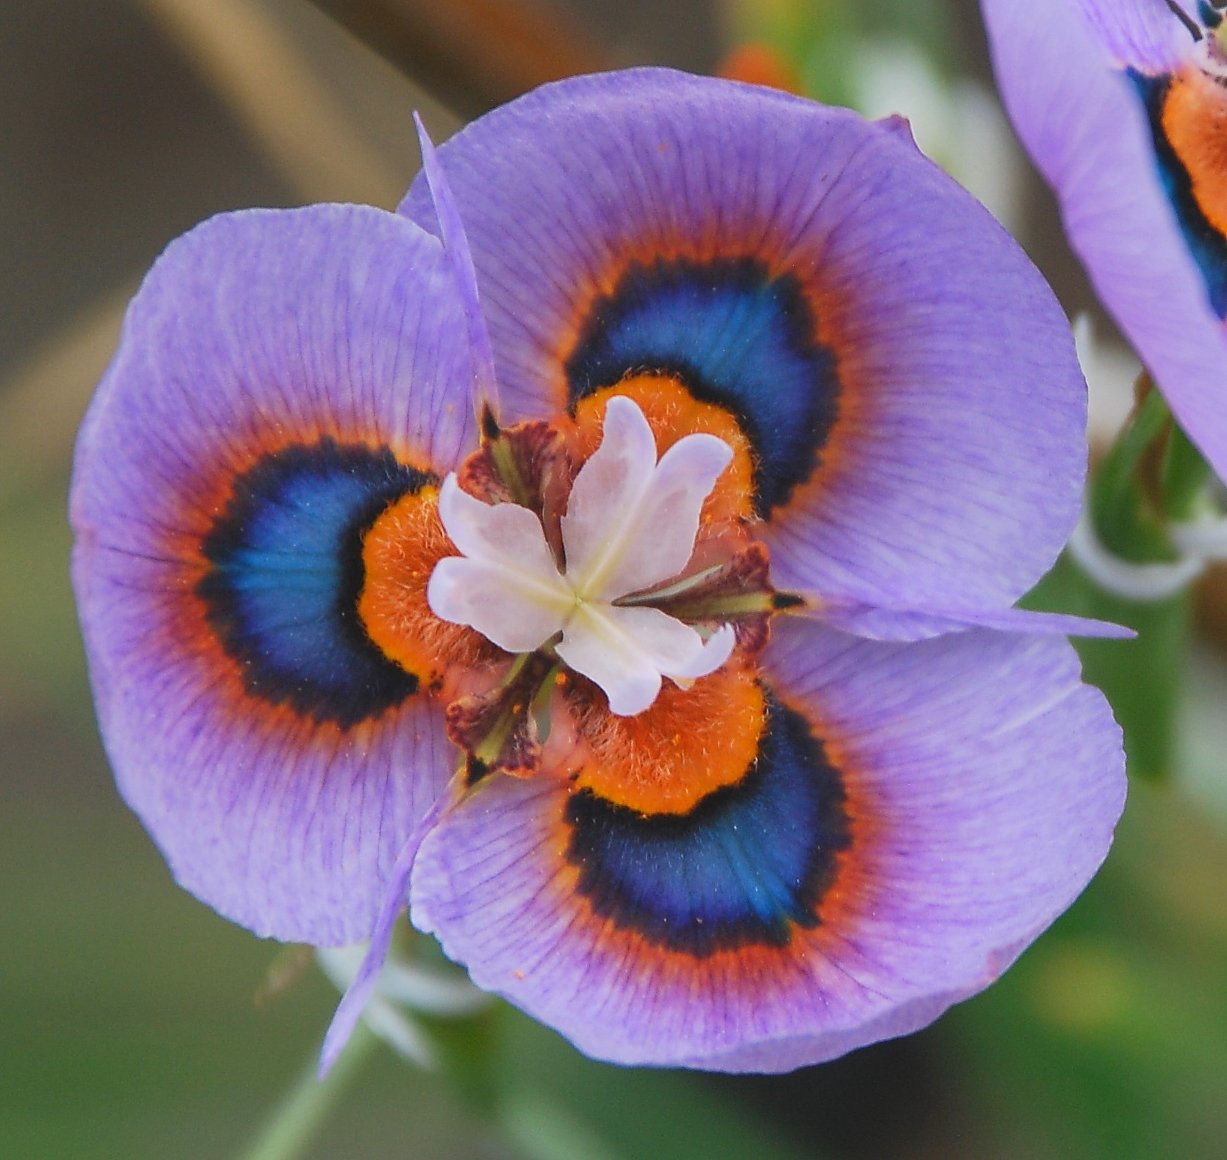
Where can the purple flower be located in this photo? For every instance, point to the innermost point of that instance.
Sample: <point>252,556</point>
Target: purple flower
<point>559,609</point>
<point>1122,103</point>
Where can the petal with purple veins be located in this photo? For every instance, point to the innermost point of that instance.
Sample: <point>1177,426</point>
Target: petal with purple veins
<point>917,815</point>
<point>905,377</point>
<point>282,378</point>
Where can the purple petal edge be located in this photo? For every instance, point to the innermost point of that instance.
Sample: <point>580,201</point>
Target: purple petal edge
<point>359,992</point>
<point>878,622</point>
<point>994,778</point>
<point>456,247</point>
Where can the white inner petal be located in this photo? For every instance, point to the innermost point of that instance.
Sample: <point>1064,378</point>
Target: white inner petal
<point>630,524</point>
<point>608,492</point>
<point>595,644</point>
<point>506,584</point>
<point>627,650</point>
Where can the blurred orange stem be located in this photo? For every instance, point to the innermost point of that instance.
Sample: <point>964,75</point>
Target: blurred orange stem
<point>274,93</point>
<point>472,54</point>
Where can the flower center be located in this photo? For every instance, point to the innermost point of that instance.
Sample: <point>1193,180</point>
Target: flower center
<point>594,571</point>
<point>629,526</point>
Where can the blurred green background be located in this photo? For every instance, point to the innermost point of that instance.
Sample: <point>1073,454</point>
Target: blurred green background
<point>133,1021</point>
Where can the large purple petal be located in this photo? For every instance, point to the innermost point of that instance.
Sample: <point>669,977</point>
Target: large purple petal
<point>904,374</point>
<point>282,377</point>
<point>1061,65</point>
<point>916,816</point>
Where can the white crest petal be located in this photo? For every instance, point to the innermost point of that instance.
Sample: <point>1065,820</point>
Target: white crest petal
<point>506,585</point>
<point>625,651</point>
<point>484,596</point>
<point>631,522</point>
<point>667,520</point>
<point>608,491</point>
<point>715,651</point>
<point>595,644</point>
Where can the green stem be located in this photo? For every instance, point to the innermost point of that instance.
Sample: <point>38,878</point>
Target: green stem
<point>1152,476</point>
<point>541,1129</point>
<point>304,1108</point>
<point>1123,511</point>
<point>1185,476</point>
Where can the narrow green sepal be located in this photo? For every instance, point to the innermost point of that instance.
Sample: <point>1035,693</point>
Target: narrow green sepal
<point>1184,478</point>
<point>1126,495</point>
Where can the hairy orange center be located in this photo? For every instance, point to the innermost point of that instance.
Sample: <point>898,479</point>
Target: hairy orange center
<point>673,413</point>
<point>1195,125</point>
<point>399,552</point>
<point>689,743</point>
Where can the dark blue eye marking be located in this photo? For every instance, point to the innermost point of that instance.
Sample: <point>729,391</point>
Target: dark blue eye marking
<point>282,592</point>
<point>736,336</point>
<point>1207,246</point>
<point>747,865</point>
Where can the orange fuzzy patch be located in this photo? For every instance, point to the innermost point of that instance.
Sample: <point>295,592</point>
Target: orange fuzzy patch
<point>399,552</point>
<point>673,412</point>
<point>1195,124</point>
<point>689,743</point>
